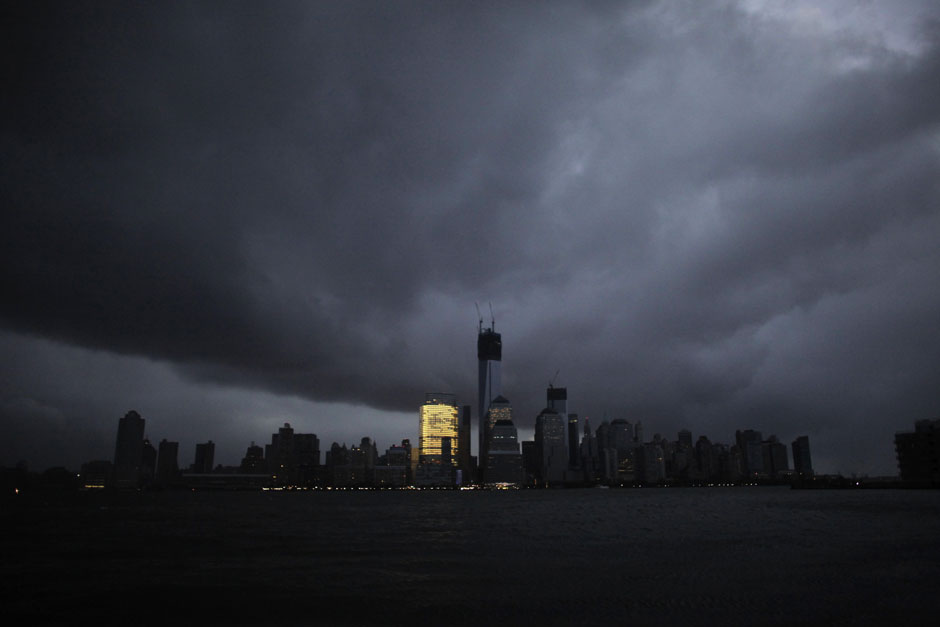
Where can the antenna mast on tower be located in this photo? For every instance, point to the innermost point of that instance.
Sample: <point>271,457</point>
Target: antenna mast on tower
<point>480,316</point>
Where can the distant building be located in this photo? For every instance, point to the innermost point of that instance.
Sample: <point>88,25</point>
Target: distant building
<point>750,445</point>
<point>253,461</point>
<point>439,428</point>
<point>96,475</point>
<point>489,356</point>
<point>919,453</point>
<point>551,447</point>
<point>650,463</point>
<point>129,451</point>
<point>168,470</point>
<point>802,463</point>
<point>774,454</point>
<point>205,457</point>
<point>464,463</point>
<point>530,462</point>
<point>293,459</point>
<point>148,464</point>
<point>499,409</point>
<point>621,438</point>
<point>503,459</point>
<point>589,454</point>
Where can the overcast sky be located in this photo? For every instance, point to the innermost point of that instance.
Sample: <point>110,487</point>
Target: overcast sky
<point>700,215</point>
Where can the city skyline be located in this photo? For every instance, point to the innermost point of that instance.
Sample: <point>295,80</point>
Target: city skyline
<point>708,217</point>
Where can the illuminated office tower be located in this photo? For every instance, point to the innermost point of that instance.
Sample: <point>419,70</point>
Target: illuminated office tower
<point>129,450</point>
<point>439,428</point>
<point>490,355</point>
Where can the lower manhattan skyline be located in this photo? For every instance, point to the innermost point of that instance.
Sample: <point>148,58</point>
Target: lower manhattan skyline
<point>708,218</point>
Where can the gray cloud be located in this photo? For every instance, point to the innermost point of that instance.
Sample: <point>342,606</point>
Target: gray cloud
<point>710,217</point>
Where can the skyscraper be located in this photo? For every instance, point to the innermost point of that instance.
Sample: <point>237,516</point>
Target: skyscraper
<point>489,356</point>
<point>557,401</point>
<point>129,450</point>
<point>802,463</point>
<point>503,459</point>
<point>168,463</point>
<point>752,455</point>
<point>574,447</point>
<point>551,447</point>
<point>463,445</point>
<point>439,428</point>
<point>500,409</point>
<point>205,457</point>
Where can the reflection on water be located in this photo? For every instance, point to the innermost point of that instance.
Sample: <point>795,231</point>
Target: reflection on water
<point>689,556</point>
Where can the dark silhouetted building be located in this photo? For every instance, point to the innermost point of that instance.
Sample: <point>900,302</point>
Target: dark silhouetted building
<point>205,457</point>
<point>500,409</point>
<point>589,454</point>
<point>551,444</point>
<point>750,445</point>
<point>919,453</point>
<point>293,459</point>
<point>650,463</point>
<point>464,464</point>
<point>129,451</point>
<point>621,438</point>
<point>392,469</point>
<point>168,470</point>
<point>148,464</point>
<point>775,460</point>
<point>802,462</point>
<point>489,356</point>
<point>96,475</point>
<point>253,461</point>
<point>503,459</point>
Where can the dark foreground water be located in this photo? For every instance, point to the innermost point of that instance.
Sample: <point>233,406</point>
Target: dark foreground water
<point>700,556</point>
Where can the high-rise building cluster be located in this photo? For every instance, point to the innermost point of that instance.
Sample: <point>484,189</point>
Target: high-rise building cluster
<point>565,451</point>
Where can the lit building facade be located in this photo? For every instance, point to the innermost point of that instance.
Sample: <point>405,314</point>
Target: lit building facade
<point>439,428</point>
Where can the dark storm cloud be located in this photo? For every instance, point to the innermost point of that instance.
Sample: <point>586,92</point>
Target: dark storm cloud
<point>712,216</point>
